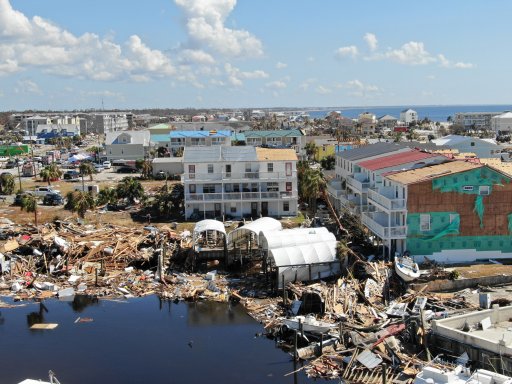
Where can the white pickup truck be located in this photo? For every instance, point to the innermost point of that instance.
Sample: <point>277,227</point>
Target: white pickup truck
<point>43,191</point>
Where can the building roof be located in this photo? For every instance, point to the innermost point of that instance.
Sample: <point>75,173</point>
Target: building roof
<point>218,153</point>
<point>199,134</point>
<point>396,159</point>
<point>505,115</point>
<point>387,117</point>
<point>407,110</point>
<point>275,154</point>
<point>167,160</point>
<point>371,150</point>
<point>275,133</point>
<point>160,137</point>
<point>432,172</point>
<point>138,137</point>
<point>160,126</point>
<point>452,140</point>
<point>237,136</point>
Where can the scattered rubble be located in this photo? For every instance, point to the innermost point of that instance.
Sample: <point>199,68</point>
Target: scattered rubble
<point>361,327</point>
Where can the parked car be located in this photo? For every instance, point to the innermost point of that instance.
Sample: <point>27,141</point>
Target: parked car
<point>10,164</point>
<point>126,170</point>
<point>43,191</point>
<point>98,167</point>
<point>161,175</point>
<point>107,164</point>
<point>71,175</point>
<point>19,197</point>
<point>53,199</point>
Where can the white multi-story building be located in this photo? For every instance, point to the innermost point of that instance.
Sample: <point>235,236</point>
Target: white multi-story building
<point>30,123</point>
<point>128,145</point>
<point>104,122</point>
<point>408,116</point>
<point>235,182</point>
<point>475,120</point>
<point>502,123</point>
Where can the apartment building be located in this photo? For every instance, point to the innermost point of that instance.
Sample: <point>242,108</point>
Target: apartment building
<point>475,120</point>
<point>281,138</point>
<point>242,181</point>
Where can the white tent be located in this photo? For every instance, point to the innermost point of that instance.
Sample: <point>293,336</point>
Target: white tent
<point>207,225</point>
<point>289,237</point>
<point>254,227</point>
<point>78,157</point>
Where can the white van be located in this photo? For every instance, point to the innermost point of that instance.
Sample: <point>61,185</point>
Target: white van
<point>94,189</point>
<point>107,164</point>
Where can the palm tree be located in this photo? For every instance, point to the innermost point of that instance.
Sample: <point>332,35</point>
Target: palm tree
<point>130,189</point>
<point>7,183</point>
<point>311,149</point>
<point>145,167</point>
<point>312,185</point>
<point>80,202</point>
<point>107,196</point>
<point>50,172</point>
<point>29,204</point>
<point>86,169</point>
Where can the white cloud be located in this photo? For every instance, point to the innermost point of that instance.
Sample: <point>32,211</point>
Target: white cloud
<point>412,53</point>
<point>359,89</point>
<point>307,83</point>
<point>371,40</point>
<point>37,42</point>
<point>280,65</point>
<point>350,51</point>
<point>278,84</point>
<point>27,86</point>
<point>235,75</point>
<point>322,90</point>
<point>444,62</point>
<point>206,27</point>
<point>196,56</point>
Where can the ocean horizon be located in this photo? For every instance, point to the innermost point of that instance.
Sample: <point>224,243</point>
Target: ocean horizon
<point>433,112</point>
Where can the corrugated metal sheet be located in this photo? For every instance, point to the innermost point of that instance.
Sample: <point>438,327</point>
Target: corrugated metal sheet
<point>396,159</point>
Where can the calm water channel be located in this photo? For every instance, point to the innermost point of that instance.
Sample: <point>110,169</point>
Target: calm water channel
<point>142,340</point>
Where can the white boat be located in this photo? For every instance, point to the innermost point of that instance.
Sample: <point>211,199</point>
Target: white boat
<point>309,324</point>
<point>53,380</point>
<point>459,375</point>
<point>406,268</point>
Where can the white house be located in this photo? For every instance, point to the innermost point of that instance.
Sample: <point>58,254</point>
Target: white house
<point>482,148</point>
<point>128,145</point>
<point>502,123</point>
<point>241,181</point>
<point>408,116</point>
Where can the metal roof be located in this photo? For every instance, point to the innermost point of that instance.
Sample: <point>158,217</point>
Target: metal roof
<point>396,159</point>
<point>432,172</point>
<point>371,150</point>
<point>274,133</point>
<point>218,153</point>
<point>160,137</point>
<point>199,134</point>
<point>271,239</point>
<point>256,226</point>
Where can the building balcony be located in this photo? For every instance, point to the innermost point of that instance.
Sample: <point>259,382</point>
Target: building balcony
<point>239,196</point>
<point>379,225</point>
<point>237,176</point>
<point>358,186</point>
<point>387,203</point>
<point>334,188</point>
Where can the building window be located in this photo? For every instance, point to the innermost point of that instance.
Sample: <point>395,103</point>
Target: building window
<point>484,190</point>
<point>208,188</point>
<point>192,171</point>
<point>192,188</point>
<point>270,167</point>
<point>286,206</point>
<point>228,170</point>
<point>210,168</point>
<point>424,223</point>
<point>233,209</point>
<point>288,167</point>
<point>247,167</point>
<point>467,188</point>
<point>453,216</point>
<point>288,186</point>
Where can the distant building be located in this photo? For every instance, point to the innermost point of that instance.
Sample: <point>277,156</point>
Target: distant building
<point>283,138</point>
<point>387,121</point>
<point>104,122</point>
<point>179,140</point>
<point>128,145</point>
<point>502,123</point>
<point>408,116</point>
<point>482,148</point>
<point>475,120</point>
<point>51,131</point>
<point>30,123</point>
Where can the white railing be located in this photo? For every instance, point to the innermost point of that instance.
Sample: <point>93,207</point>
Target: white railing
<point>388,203</point>
<point>232,176</point>
<point>361,186</point>
<point>227,196</point>
<point>381,230</point>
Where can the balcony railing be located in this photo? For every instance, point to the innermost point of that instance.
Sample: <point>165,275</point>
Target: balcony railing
<point>361,186</point>
<point>232,176</point>
<point>228,196</point>
<point>387,203</point>
<point>381,229</point>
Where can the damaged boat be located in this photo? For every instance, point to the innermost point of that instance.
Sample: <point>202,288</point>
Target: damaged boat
<point>406,268</point>
<point>309,323</point>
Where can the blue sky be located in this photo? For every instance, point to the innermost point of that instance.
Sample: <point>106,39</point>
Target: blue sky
<point>70,54</point>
